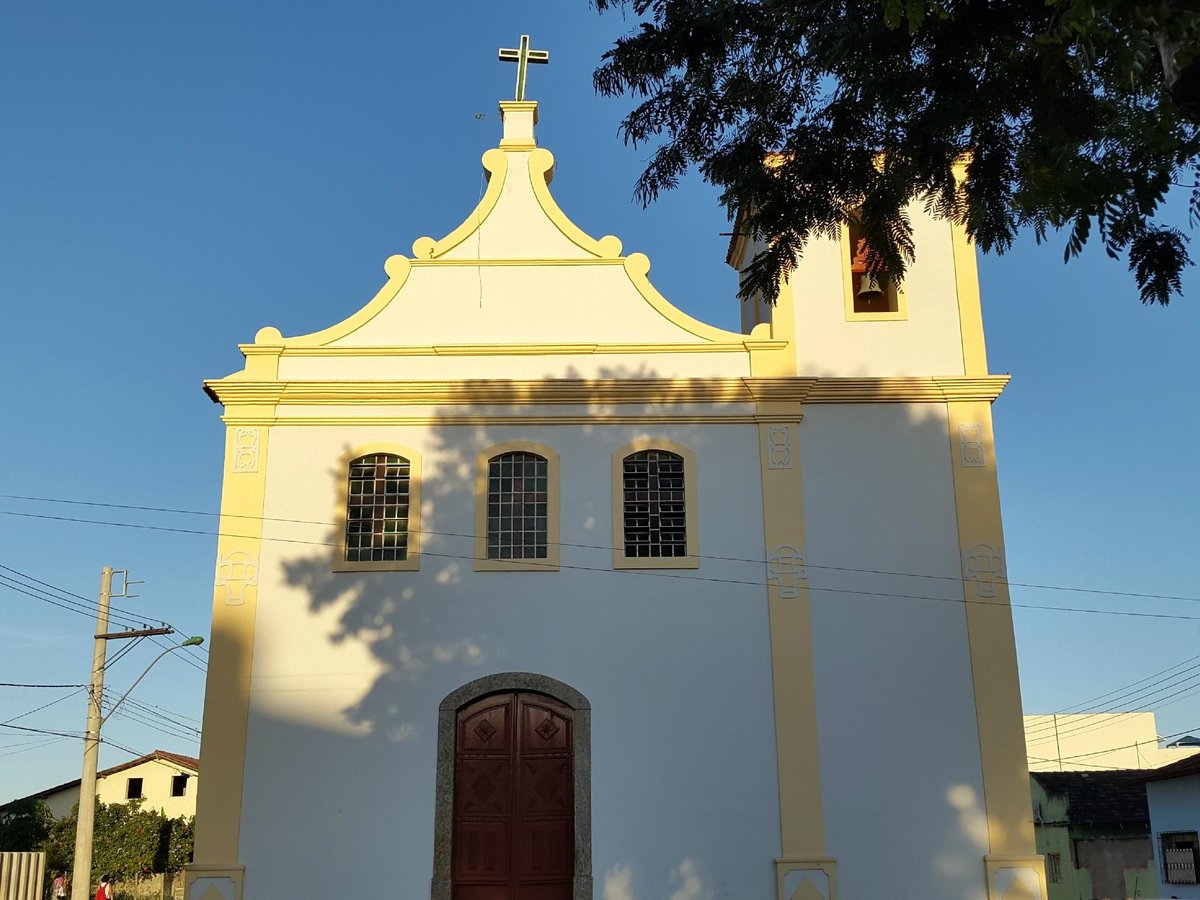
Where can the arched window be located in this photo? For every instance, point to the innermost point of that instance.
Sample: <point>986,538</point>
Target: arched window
<point>518,506</point>
<point>654,506</point>
<point>876,296</point>
<point>378,511</point>
<point>516,521</point>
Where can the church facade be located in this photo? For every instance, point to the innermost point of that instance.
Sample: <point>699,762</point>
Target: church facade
<point>530,585</point>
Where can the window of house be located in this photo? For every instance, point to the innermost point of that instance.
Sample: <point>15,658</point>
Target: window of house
<point>133,789</point>
<point>179,785</point>
<point>1179,856</point>
<point>869,295</point>
<point>516,508</point>
<point>378,510</point>
<point>654,502</point>
<point>1054,868</point>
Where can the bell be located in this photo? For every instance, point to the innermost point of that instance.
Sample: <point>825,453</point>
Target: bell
<point>870,288</point>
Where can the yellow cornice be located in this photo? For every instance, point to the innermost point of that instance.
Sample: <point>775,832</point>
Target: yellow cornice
<point>906,390</point>
<point>541,173</point>
<point>495,164</point>
<point>650,392</point>
<point>270,342</point>
<point>745,344</point>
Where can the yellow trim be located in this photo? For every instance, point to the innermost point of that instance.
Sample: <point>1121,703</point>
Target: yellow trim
<point>227,690</point>
<point>531,262</point>
<point>653,393</point>
<point>495,164</point>
<point>412,560</point>
<point>751,344</point>
<point>801,809</point>
<point>236,417</point>
<point>541,173</point>
<point>970,307</point>
<point>690,504</point>
<point>550,562</point>
<point>637,267</point>
<point>269,338</point>
<point>990,635</point>
<point>899,314</point>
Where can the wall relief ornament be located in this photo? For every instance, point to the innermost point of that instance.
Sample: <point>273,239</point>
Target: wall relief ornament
<point>786,569</point>
<point>984,564</point>
<point>779,446</point>
<point>971,448</point>
<point>237,573</point>
<point>245,450</point>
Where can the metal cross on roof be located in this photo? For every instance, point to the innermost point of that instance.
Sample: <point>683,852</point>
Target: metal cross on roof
<point>523,57</point>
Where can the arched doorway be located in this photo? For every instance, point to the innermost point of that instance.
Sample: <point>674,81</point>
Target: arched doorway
<point>513,801</point>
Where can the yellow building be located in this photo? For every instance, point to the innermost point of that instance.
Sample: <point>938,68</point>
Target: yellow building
<point>1069,742</point>
<point>163,781</point>
<point>530,584</point>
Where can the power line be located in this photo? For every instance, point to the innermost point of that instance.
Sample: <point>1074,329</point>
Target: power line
<point>43,706</point>
<point>663,574</point>
<point>208,514</point>
<point>92,606</point>
<point>75,599</point>
<point>12,684</point>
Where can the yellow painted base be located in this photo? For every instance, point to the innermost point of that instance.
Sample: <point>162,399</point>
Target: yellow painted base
<point>1016,877</point>
<point>812,878</point>
<point>213,882</point>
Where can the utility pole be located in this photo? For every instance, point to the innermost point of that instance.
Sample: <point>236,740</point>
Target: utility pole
<point>81,882</point>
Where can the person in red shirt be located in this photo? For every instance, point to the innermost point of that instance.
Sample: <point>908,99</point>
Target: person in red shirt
<point>104,892</point>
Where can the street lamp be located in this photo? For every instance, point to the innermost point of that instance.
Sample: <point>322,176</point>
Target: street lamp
<point>194,641</point>
<point>85,825</point>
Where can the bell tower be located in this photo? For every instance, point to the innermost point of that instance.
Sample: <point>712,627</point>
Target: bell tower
<point>846,322</point>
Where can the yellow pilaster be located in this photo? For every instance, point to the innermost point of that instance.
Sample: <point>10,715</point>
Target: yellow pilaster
<point>216,871</point>
<point>1013,867</point>
<point>802,869</point>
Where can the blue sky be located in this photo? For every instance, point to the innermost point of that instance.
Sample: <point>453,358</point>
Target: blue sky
<point>173,177</point>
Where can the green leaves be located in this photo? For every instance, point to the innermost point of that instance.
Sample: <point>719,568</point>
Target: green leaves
<point>866,106</point>
<point>129,841</point>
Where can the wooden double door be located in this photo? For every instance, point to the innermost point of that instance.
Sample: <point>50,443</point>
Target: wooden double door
<point>514,799</point>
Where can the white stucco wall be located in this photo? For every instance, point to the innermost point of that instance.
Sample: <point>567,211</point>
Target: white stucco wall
<point>349,670</point>
<point>900,764</point>
<point>1174,806</point>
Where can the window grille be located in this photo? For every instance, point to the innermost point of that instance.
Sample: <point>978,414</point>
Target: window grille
<point>517,500</point>
<point>655,519</point>
<point>1179,856</point>
<point>1054,868</point>
<point>377,508</point>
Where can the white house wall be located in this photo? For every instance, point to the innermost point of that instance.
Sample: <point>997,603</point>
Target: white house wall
<point>1174,806</point>
<point>677,670</point>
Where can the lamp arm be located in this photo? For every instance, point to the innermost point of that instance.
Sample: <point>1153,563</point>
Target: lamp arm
<point>135,684</point>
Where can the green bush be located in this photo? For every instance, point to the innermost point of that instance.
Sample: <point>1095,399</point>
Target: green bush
<point>128,841</point>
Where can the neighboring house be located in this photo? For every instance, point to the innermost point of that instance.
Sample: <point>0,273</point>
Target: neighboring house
<point>1124,740</point>
<point>161,780</point>
<point>534,550</point>
<point>1173,793</point>
<point>1094,830</point>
